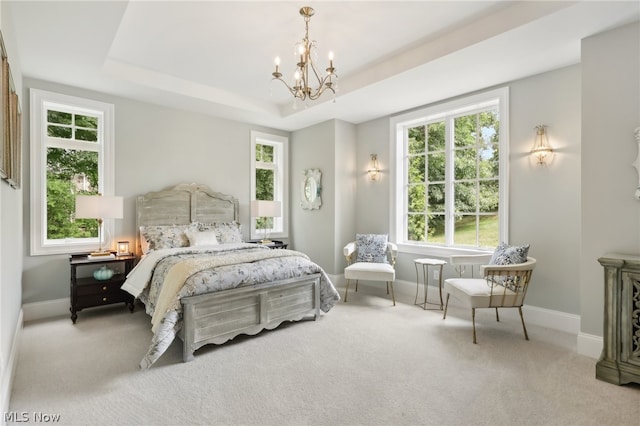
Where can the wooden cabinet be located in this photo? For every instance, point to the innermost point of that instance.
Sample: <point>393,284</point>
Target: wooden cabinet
<point>87,291</point>
<point>620,359</point>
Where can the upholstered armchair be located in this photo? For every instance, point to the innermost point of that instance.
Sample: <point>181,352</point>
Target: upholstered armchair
<point>501,286</point>
<point>372,258</point>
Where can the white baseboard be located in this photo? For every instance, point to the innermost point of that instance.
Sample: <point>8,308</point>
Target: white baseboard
<point>9,372</point>
<point>335,279</point>
<point>590,345</point>
<point>47,309</point>
<point>556,320</point>
<point>587,344</point>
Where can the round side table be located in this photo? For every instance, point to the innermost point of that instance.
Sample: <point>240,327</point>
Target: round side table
<point>425,263</point>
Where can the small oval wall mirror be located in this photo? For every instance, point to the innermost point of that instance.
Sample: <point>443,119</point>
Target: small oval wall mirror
<point>311,190</point>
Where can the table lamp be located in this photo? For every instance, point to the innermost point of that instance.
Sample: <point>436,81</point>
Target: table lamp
<point>265,209</point>
<point>99,207</point>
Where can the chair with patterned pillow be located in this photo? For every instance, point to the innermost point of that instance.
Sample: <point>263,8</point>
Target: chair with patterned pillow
<point>504,284</point>
<point>371,258</point>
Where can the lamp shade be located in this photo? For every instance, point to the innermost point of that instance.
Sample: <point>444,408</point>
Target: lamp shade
<point>98,207</point>
<point>266,208</point>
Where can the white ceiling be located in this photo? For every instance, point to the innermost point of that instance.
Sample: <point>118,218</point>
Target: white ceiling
<point>216,57</point>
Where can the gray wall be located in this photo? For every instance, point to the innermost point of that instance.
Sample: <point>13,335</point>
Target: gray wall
<point>582,204</point>
<point>156,147</point>
<point>610,113</point>
<point>322,233</point>
<point>345,189</point>
<point>11,241</point>
<point>544,201</point>
<point>313,148</point>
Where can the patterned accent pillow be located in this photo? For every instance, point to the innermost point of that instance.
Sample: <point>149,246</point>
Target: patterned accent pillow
<point>371,248</point>
<point>505,254</point>
<point>154,237</point>
<point>226,232</point>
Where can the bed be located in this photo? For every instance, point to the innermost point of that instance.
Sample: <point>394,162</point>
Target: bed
<point>198,279</point>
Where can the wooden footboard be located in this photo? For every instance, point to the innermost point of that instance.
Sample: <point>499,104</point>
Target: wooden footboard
<point>219,317</point>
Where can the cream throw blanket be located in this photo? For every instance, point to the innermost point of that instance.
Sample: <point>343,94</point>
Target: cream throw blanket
<point>182,270</point>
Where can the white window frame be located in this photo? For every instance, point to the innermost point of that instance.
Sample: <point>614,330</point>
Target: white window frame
<point>281,184</point>
<point>41,101</point>
<point>398,124</point>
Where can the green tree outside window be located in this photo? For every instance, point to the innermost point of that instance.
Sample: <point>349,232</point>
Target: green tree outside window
<point>474,185</point>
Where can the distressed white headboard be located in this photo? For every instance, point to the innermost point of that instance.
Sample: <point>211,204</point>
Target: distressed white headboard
<point>183,204</point>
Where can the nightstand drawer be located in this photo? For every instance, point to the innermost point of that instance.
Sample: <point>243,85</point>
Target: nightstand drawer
<point>102,299</point>
<point>98,288</point>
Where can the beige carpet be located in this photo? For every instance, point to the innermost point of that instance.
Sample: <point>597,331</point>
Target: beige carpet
<point>364,363</point>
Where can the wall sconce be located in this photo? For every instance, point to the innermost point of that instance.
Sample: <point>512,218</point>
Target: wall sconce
<point>123,248</point>
<point>374,171</point>
<point>542,151</point>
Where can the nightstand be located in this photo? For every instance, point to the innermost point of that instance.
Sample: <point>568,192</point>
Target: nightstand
<point>87,291</point>
<point>274,244</point>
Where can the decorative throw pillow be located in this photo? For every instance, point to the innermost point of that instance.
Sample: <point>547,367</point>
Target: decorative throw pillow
<point>226,232</point>
<point>201,238</point>
<point>371,248</point>
<point>505,254</point>
<point>155,237</point>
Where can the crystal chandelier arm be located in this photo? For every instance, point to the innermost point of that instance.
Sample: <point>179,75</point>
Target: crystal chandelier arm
<point>291,89</point>
<point>320,90</point>
<point>315,72</point>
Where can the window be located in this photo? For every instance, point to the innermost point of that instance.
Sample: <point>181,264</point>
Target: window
<point>451,177</point>
<point>72,153</point>
<point>269,177</point>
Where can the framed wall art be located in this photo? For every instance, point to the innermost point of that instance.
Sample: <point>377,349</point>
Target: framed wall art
<point>4,154</point>
<point>311,190</point>
<point>15,144</point>
<point>10,122</point>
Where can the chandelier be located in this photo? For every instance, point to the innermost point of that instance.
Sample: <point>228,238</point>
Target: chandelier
<point>305,68</point>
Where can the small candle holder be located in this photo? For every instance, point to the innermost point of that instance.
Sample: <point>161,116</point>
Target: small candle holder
<point>123,248</point>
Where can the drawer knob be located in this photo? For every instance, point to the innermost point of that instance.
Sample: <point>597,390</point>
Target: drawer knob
<point>104,299</point>
<point>104,287</point>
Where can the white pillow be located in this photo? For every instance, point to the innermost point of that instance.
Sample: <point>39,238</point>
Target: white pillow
<point>226,232</point>
<point>201,238</point>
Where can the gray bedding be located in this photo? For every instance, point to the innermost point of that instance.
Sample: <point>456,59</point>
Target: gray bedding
<point>233,275</point>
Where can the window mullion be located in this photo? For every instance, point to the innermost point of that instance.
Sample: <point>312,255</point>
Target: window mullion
<point>266,166</point>
<point>477,180</point>
<point>449,175</point>
<point>425,183</point>
<point>73,144</point>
